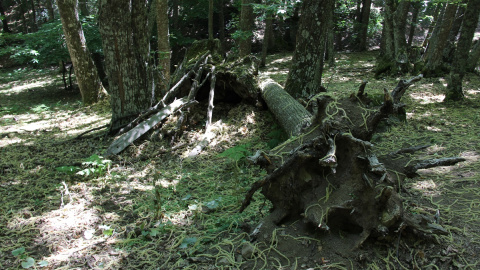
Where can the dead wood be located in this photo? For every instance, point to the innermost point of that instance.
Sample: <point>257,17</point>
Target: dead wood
<point>409,150</point>
<point>411,170</point>
<point>127,138</point>
<point>327,174</point>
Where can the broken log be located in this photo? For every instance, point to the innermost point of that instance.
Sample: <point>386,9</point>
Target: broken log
<point>291,115</point>
<point>127,138</point>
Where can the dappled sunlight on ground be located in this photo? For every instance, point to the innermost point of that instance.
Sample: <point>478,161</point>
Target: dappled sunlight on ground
<point>427,98</point>
<point>10,90</point>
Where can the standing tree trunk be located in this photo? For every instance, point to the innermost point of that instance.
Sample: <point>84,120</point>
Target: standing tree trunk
<point>210,20</point>
<point>83,5</point>
<point>34,17</point>
<point>474,57</point>
<point>124,30</point>
<point>305,76</point>
<point>163,44</point>
<point>413,24</point>
<point>452,36</point>
<point>4,20</point>
<point>470,21</point>
<point>363,25</point>
<point>221,23</point>
<point>266,37</point>
<point>85,71</point>
<point>399,22</point>
<point>50,10</point>
<point>393,58</point>
<point>246,28</point>
<point>434,57</point>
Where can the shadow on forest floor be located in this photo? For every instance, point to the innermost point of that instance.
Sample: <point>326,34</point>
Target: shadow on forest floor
<point>152,208</point>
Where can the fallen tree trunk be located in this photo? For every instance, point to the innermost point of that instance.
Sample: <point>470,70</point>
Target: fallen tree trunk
<point>327,174</point>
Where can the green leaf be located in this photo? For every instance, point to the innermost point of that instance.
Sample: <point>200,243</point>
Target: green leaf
<point>29,262</point>
<point>42,263</point>
<point>108,232</point>
<point>67,169</point>
<point>188,241</point>
<point>18,251</point>
<point>153,232</point>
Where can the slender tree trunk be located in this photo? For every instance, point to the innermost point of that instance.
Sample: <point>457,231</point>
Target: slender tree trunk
<point>210,20</point>
<point>34,17</point>
<point>400,21</point>
<point>175,15</point>
<point>363,29</point>
<point>83,5</point>
<point>413,23</point>
<point>50,10</point>
<point>470,22</point>
<point>434,58</point>
<point>474,57</point>
<point>246,27</point>
<point>221,23</point>
<point>125,38</point>
<point>452,36</point>
<point>163,44</point>
<point>305,76</point>
<point>5,27</point>
<point>85,71</point>
<point>431,27</point>
<point>266,35</point>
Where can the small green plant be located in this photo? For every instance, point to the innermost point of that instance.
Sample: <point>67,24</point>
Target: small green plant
<point>237,153</point>
<point>26,261</point>
<point>94,165</point>
<point>276,136</point>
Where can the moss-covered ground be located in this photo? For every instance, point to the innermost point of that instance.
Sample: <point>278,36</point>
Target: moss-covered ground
<point>64,206</point>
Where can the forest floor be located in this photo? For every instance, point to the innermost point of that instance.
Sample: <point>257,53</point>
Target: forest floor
<point>64,206</point>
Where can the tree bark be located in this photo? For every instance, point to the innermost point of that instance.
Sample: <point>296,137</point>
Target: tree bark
<point>50,10</point>
<point>163,37</point>
<point>434,58</point>
<point>124,30</point>
<point>83,5</point>
<point>221,23</point>
<point>210,20</point>
<point>266,35</point>
<point>290,114</point>
<point>246,28</point>
<point>470,21</point>
<point>5,27</point>
<point>363,25</point>
<point>85,71</point>
<point>305,76</point>
<point>452,36</point>
<point>474,57</point>
<point>34,17</point>
<point>413,23</point>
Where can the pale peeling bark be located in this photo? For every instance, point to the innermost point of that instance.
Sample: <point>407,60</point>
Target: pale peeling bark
<point>163,44</point>
<point>124,29</point>
<point>305,76</point>
<point>85,71</point>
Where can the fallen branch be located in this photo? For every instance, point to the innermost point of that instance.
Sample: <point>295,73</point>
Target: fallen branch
<point>129,137</point>
<point>411,170</point>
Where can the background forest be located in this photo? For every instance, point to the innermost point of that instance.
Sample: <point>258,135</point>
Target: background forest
<point>134,134</point>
